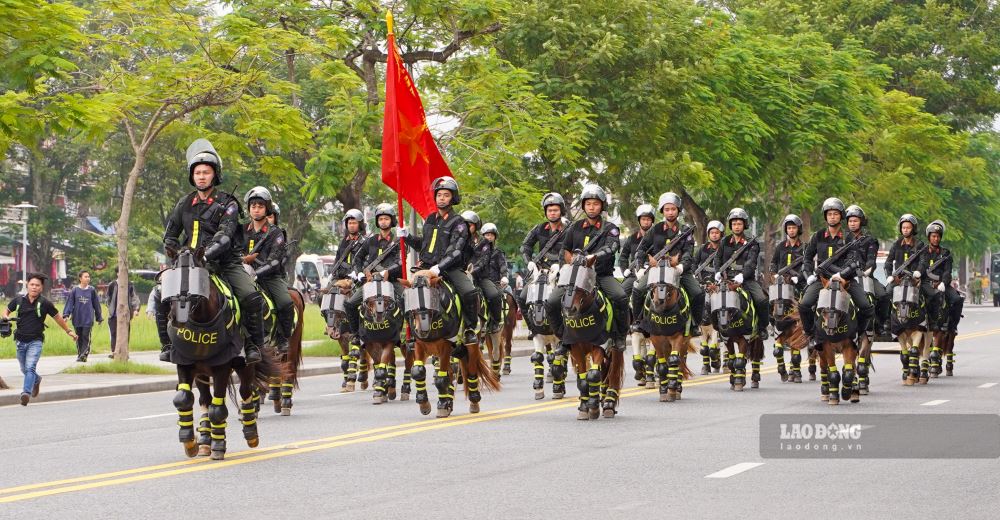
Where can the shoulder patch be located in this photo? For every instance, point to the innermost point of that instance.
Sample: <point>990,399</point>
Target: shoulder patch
<point>231,209</point>
<point>613,232</point>
<point>279,240</point>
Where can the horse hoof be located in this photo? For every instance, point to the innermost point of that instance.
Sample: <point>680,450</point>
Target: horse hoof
<point>754,384</point>
<point>784,378</point>
<point>715,370</point>
<point>863,391</point>
<point>254,442</point>
<point>473,407</point>
<point>404,396</point>
<point>738,388</point>
<point>539,394</point>
<point>377,399</point>
<point>204,450</point>
<point>641,383</point>
<point>285,412</point>
<point>443,412</point>
<point>348,388</point>
<point>277,406</point>
<point>824,398</point>
<point>812,377</point>
<point>364,385</point>
<point>506,371</point>
<point>583,415</point>
<point>663,398</point>
<point>425,408</point>
<point>833,402</point>
<point>594,413</point>
<point>548,378</point>
<point>934,375</point>
<point>650,385</point>
<point>392,394</point>
<point>190,448</point>
<point>705,371</point>
<point>558,395</point>
<point>671,397</point>
<point>949,373</point>
<point>856,397</point>
<point>609,413</point>
<point>218,455</point>
<point>798,379</point>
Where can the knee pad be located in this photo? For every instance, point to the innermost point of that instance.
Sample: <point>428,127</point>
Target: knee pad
<point>418,372</point>
<point>863,370</point>
<point>559,369</point>
<point>935,355</point>
<point>184,400</point>
<point>673,360</point>
<point>217,413</point>
<point>796,358</point>
<point>650,360</point>
<point>582,386</point>
<point>251,302</point>
<point>381,373</point>
<point>779,351</point>
<point>441,382</point>
<point>705,351</point>
<point>537,358</point>
<point>662,369</point>
<point>834,378</point>
<point>638,365</point>
<point>740,363</point>
<point>914,352</point>
<point>594,376</point>
<point>848,377</point>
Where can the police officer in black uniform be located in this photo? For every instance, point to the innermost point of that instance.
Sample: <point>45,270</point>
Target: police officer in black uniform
<point>670,205</point>
<point>445,249</point>
<point>355,233</point>
<point>265,249</point>
<point>390,267</point>
<point>867,255</point>
<point>627,259</point>
<point>790,250</point>
<point>934,271</point>
<point>821,246</point>
<point>481,257</point>
<point>210,218</point>
<point>498,271</point>
<point>579,236</point>
<point>743,270</point>
<point>902,249</point>
<point>554,207</point>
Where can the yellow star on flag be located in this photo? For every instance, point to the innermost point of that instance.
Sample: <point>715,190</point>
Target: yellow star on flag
<point>410,136</point>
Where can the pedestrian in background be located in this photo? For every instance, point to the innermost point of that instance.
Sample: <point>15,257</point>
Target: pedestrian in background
<point>83,305</point>
<point>112,299</point>
<point>30,310</point>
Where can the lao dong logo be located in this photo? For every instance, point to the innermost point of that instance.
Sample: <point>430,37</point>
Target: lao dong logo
<point>820,432</point>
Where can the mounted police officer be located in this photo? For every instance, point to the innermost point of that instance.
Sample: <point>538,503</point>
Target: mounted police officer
<point>934,271</point>
<point>481,257</point>
<point>210,218</point>
<point>355,232</point>
<point>659,235</point>
<point>445,249</point>
<point>743,270</point>
<point>902,249</point>
<point>380,244</point>
<point>713,234</point>
<point>498,273</point>
<point>627,257</point>
<point>857,221</point>
<point>551,234</point>
<point>823,244</point>
<point>599,240</point>
<point>790,250</point>
<point>265,249</point>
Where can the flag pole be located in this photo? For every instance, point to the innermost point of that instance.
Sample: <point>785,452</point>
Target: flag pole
<point>399,191</point>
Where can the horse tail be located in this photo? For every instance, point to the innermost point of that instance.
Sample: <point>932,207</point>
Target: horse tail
<point>616,370</point>
<point>685,372</point>
<point>294,356</point>
<point>487,378</point>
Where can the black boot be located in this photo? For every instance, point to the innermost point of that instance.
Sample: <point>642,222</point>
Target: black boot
<point>286,325</point>
<point>165,351</point>
<point>251,309</point>
<point>160,313</point>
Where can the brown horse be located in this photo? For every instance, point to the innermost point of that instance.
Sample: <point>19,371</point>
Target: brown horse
<point>381,323</point>
<point>907,321</point>
<point>353,362</point>
<point>432,309</point>
<point>732,316</point>
<point>599,373</point>
<point>787,322</point>
<point>289,361</point>
<point>836,331</point>
<point>667,320</point>
<point>207,347</point>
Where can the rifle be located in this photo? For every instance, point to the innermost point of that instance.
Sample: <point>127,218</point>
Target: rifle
<point>709,260</point>
<point>671,244</point>
<point>944,258</point>
<point>736,254</point>
<point>379,258</point>
<point>904,265</point>
<point>548,245</point>
<point>837,254</point>
<point>789,267</point>
<point>581,254</point>
<point>336,266</point>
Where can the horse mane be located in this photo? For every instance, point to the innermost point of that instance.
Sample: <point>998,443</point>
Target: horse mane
<point>343,284</point>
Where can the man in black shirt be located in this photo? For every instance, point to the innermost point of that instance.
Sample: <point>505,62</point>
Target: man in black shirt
<point>743,270</point>
<point>597,239</point>
<point>646,215</point>
<point>445,249</point>
<point>30,311</point>
<point>790,250</point>
<point>377,244</point>
<point>264,249</point>
<point>867,255</point>
<point>551,233</point>
<point>934,268</point>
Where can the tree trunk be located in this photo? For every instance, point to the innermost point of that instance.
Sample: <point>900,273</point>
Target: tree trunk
<point>698,217</point>
<point>770,228</point>
<point>121,237</point>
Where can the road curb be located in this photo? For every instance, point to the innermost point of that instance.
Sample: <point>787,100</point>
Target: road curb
<point>168,384</point>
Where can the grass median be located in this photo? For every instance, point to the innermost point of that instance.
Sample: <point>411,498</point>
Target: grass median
<point>143,337</point>
<point>118,367</point>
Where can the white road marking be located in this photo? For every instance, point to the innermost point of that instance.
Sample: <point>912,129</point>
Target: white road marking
<point>935,402</point>
<point>148,417</point>
<point>987,385</point>
<point>734,469</point>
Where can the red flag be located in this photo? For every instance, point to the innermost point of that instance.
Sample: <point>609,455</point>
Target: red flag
<point>410,158</point>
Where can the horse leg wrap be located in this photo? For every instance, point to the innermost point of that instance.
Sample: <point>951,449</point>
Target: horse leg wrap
<point>217,415</point>
<point>441,382</point>
<point>381,376</point>
<point>419,372</point>
<point>472,384</point>
<point>935,360</point>
<point>650,362</point>
<point>673,369</point>
<point>274,389</point>
<point>204,430</point>
<point>848,379</point>
<point>779,352</point>
<point>248,418</point>
<point>713,352</point>
<point>834,381</point>
<point>639,365</point>
<point>407,380</point>
<point>559,369</point>
<point>740,363</point>
<point>796,359</point>
<point>610,398</point>
<point>344,363</point>
<point>812,367</point>
<point>914,361</point>
<point>862,372</point>
<point>755,371</point>
<point>706,355</point>
<point>950,365</point>
<point>538,364</point>
<point>184,403</point>
<point>584,388</point>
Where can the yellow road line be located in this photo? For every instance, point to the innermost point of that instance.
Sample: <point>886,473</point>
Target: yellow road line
<point>295,448</point>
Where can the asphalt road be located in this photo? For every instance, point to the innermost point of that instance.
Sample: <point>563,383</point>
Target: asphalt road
<point>340,456</point>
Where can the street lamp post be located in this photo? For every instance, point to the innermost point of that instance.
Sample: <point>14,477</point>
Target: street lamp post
<point>24,207</point>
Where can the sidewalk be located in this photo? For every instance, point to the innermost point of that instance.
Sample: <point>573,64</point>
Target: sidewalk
<point>59,387</point>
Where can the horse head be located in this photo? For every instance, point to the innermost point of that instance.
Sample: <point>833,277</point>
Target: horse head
<point>833,305</point>
<point>379,298</point>
<point>186,286</point>
<point>539,287</point>
<point>664,284</point>
<point>423,302</point>
<point>332,306</point>
<point>579,282</point>
<point>906,299</point>
<point>781,294</point>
